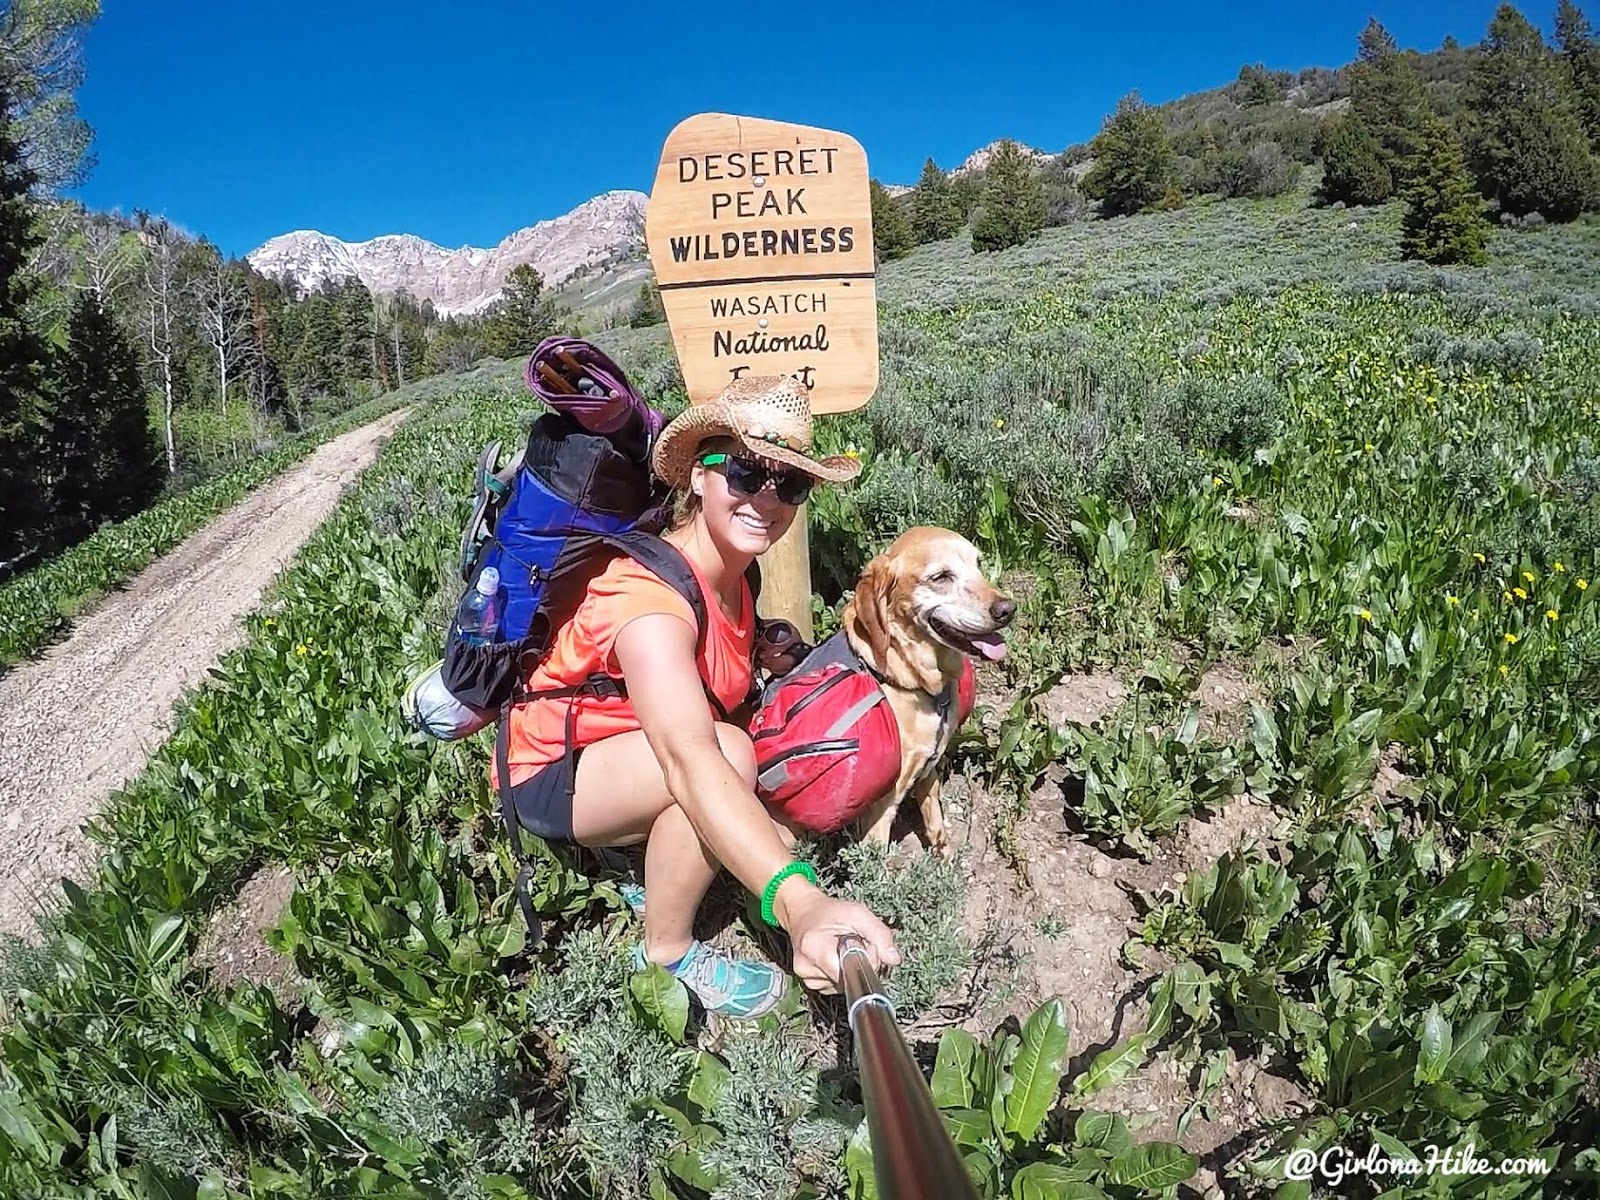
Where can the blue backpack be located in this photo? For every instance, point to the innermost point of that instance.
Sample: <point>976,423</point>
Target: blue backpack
<point>550,522</point>
<point>568,505</point>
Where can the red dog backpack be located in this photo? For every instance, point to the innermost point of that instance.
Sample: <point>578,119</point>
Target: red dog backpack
<point>826,741</point>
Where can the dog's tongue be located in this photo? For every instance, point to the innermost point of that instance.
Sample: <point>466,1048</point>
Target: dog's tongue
<point>991,645</point>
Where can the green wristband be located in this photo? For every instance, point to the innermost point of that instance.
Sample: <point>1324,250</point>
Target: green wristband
<point>770,892</point>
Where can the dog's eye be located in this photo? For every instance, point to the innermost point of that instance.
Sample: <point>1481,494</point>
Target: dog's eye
<point>942,575</point>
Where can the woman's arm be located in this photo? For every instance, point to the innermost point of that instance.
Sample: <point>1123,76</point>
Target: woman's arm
<point>656,654</point>
<point>657,657</point>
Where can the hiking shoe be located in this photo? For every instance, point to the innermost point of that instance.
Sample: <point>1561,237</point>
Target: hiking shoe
<point>633,896</point>
<point>737,988</point>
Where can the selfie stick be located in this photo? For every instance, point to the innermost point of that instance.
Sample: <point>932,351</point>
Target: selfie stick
<point>913,1155</point>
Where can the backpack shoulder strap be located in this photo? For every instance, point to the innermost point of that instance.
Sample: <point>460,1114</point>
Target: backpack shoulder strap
<point>667,562</point>
<point>664,560</point>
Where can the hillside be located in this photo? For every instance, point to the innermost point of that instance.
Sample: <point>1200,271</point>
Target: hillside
<point>1274,830</point>
<point>1283,785</point>
<point>1272,104</point>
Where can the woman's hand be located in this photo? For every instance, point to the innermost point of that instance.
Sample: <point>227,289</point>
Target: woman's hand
<point>815,922</point>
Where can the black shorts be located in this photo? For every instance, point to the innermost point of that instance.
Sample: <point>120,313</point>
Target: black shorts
<point>544,800</point>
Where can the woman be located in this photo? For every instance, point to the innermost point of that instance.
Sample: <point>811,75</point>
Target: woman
<point>659,766</point>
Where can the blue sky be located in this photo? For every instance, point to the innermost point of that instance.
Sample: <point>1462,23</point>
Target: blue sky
<point>461,122</point>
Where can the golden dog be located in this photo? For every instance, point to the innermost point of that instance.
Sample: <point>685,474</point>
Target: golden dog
<point>918,609</point>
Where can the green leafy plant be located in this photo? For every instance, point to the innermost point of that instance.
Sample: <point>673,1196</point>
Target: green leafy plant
<point>999,1103</point>
<point>1140,779</point>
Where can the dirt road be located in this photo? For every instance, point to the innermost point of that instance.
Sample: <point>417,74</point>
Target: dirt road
<point>81,720</point>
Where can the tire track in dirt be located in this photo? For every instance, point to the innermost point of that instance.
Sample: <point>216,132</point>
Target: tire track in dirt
<point>81,720</point>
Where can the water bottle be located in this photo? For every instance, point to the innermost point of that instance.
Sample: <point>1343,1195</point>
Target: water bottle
<point>478,618</point>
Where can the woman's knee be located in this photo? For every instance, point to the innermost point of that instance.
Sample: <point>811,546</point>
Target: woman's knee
<point>738,750</point>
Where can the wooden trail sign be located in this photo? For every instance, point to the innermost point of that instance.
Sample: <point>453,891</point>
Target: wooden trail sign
<point>760,233</point>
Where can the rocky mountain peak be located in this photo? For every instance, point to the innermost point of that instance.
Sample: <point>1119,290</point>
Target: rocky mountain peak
<point>599,231</point>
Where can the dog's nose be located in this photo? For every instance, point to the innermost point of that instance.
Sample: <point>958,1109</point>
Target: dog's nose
<point>1002,611</point>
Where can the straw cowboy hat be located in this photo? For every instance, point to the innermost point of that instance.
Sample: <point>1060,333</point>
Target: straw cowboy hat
<point>770,414</point>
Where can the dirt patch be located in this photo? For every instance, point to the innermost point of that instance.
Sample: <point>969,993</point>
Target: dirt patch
<point>1228,1125</point>
<point>1225,694</point>
<point>1082,699</point>
<point>1389,782</point>
<point>1064,938</point>
<point>82,720</point>
<point>1390,786</point>
<point>233,947</point>
<point>1064,935</point>
<point>1058,929</point>
<point>1202,840</point>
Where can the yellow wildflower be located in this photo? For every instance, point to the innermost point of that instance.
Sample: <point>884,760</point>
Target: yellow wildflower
<point>1507,596</point>
<point>1551,614</point>
<point>999,422</point>
<point>1452,601</point>
<point>1504,670</point>
<point>1521,595</point>
<point>1583,585</point>
<point>1560,568</point>
<point>1512,638</point>
<point>1216,481</point>
<point>302,649</point>
<point>1365,614</point>
<point>852,453</point>
<point>1528,575</point>
<point>1478,556</point>
<point>1369,447</point>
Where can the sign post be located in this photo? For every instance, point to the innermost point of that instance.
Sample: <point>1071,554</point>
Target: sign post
<point>760,233</point>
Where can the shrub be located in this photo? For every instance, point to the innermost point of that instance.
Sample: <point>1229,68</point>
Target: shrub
<point>1444,221</point>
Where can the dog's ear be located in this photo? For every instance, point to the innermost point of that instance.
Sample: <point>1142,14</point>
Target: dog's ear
<point>869,606</point>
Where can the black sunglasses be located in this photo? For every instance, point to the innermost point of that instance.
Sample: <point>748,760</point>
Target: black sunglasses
<point>747,477</point>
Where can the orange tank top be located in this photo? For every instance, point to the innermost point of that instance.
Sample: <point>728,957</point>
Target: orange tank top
<point>536,731</point>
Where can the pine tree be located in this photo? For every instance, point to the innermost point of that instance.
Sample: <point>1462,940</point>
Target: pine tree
<point>357,335</point>
<point>1133,160</point>
<point>935,212</point>
<point>1258,86</point>
<point>413,354</point>
<point>1531,154</point>
<point>524,317</point>
<point>267,367</point>
<point>1386,96</point>
<point>25,366</point>
<point>891,232</point>
<point>1581,56</point>
<point>105,455</point>
<point>966,189</point>
<point>1013,208</point>
<point>648,309</point>
<point>1353,170</point>
<point>314,365</point>
<point>1444,221</point>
